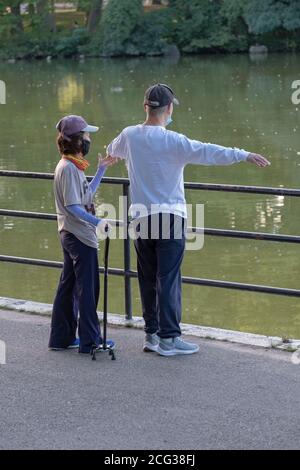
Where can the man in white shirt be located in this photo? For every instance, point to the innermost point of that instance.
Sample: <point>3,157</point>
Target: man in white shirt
<point>155,159</point>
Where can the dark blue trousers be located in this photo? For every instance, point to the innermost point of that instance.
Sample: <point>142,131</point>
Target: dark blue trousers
<point>158,264</point>
<point>77,292</point>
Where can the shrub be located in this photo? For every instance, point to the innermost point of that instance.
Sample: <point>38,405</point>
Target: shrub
<point>69,46</point>
<point>150,37</point>
<point>118,22</point>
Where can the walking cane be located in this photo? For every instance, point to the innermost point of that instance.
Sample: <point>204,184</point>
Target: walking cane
<point>104,346</point>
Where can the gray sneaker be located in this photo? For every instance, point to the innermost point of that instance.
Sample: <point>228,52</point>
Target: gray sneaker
<point>151,342</point>
<point>174,346</point>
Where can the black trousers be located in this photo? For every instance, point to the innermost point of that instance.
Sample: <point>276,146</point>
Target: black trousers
<point>158,263</point>
<point>77,292</point>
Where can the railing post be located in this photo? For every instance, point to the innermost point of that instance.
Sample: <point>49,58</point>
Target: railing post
<point>127,262</point>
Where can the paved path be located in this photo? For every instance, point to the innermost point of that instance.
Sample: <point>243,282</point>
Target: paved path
<point>225,397</point>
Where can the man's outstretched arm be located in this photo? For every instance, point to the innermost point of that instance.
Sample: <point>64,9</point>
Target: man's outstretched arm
<point>196,152</point>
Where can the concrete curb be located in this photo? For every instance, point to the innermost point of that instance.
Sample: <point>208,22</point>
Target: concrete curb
<point>205,332</point>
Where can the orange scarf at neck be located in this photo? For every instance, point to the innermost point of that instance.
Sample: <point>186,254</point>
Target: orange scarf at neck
<point>80,163</point>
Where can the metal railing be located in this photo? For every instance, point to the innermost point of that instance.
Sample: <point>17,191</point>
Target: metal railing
<point>127,273</point>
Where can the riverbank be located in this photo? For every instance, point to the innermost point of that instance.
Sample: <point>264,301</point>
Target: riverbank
<point>204,332</point>
<point>41,52</point>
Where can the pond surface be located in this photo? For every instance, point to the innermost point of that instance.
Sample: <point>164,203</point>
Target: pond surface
<point>230,100</point>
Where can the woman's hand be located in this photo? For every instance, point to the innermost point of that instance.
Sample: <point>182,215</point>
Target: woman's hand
<point>103,229</point>
<point>258,160</point>
<point>107,161</point>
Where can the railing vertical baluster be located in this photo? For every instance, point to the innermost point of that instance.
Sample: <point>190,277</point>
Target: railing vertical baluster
<point>127,262</point>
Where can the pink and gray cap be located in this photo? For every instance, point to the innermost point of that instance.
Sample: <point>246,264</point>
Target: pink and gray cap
<point>72,124</point>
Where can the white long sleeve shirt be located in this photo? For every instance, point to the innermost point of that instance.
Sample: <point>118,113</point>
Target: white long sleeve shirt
<point>155,159</point>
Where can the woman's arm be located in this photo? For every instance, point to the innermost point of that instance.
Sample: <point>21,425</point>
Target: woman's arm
<point>77,211</point>
<point>103,227</point>
<point>102,165</point>
<point>94,184</point>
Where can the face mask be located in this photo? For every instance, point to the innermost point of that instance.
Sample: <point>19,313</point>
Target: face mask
<point>85,147</point>
<point>169,121</point>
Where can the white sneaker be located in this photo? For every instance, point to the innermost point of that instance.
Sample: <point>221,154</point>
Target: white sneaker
<point>151,342</point>
<point>175,346</point>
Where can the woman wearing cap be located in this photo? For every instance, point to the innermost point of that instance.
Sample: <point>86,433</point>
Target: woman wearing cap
<point>78,228</point>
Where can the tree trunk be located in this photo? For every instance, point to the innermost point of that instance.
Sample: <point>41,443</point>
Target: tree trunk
<point>45,9</point>
<point>94,15</point>
<point>15,11</point>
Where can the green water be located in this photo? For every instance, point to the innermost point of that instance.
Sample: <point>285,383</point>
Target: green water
<point>228,100</point>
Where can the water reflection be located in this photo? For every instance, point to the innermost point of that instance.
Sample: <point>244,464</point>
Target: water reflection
<point>8,225</point>
<point>269,214</point>
<point>69,92</point>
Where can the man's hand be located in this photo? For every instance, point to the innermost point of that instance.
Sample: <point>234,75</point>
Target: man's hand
<point>258,160</point>
<point>107,161</point>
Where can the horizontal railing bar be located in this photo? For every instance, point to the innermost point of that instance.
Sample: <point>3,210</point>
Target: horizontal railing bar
<point>50,176</point>
<point>27,174</point>
<point>241,286</point>
<point>185,279</point>
<point>44,216</point>
<point>50,264</point>
<point>216,232</point>
<point>243,189</point>
<point>187,185</point>
<point>207,231</point>
<point>28,214</point>
<point>31,261</point>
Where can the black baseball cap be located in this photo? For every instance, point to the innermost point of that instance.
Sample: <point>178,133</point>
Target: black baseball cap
<point>159,95</point>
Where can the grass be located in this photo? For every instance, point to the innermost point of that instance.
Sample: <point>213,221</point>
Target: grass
<point>154,7</point>
<point>66,19</point>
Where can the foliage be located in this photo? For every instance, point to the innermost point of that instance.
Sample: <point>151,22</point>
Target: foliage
<point>118,24</point>
<point>125,28</point>
<point>270,15</point>
<point>200,25</point>
<point>151,35</point>
<point>69,46</point>
<point>230,25</point>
